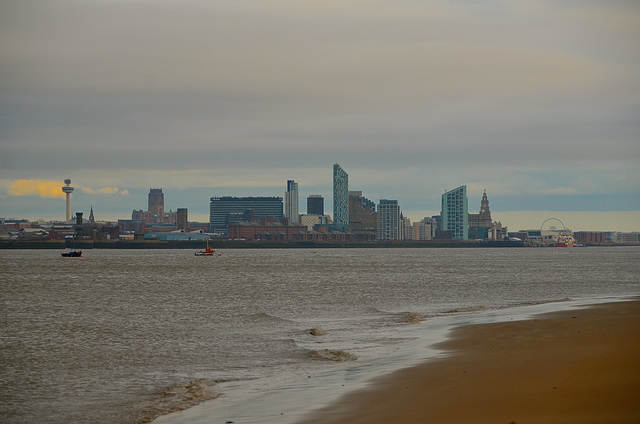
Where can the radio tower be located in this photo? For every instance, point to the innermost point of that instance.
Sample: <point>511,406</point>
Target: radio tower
<point>67,189</point>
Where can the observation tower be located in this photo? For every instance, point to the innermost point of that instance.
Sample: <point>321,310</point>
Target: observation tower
<point>67,189</point>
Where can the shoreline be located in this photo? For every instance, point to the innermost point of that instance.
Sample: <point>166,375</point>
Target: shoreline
<point>331,397</point>
<point>569,366</point>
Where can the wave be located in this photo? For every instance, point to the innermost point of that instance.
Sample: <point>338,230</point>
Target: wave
<point>544,302</point>
<point>265,317</point>
<point>466,310</point>
<point>411,317</point>
<point>317,331</point>
<point>481,308</point>
<point>179,397</point>
<point>332,355</point>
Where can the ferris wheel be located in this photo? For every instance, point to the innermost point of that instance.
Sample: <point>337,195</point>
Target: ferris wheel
<point>554,224</point>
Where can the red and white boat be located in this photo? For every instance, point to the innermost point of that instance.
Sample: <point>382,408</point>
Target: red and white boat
<point>206,252</point>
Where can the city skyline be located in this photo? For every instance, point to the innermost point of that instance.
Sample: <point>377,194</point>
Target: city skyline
<point>540,216</point>
<point>535,102</point>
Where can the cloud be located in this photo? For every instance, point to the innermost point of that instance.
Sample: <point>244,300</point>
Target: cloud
<point>53,189</point>
<point>41,188</point>
<point>534,101</point>
<point>104,190</point>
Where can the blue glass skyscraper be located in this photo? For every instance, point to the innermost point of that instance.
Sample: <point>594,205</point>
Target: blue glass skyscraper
<point>455,213</point>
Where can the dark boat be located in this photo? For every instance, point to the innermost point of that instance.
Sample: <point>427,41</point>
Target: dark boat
<point>72,254</point>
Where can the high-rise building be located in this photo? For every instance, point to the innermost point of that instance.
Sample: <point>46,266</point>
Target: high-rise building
<point>226,209</point>
<point>420,231</point>
<point>340,196</point>
<point>362,213</point>
<point>291,202</point>
<point>389,220</point>
<point>315,205</point>
<point>455,213</point>
<point>182,221</point>
<point>156,203</point>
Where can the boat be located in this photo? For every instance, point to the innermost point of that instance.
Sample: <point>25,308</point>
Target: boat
<point>564,240</point>
<point>75,253</point>
<point>206,252</point>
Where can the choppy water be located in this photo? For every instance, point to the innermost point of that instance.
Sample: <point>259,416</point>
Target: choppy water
<point>124,336</point>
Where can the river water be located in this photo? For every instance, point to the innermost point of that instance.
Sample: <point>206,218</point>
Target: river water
<point>122,336</point>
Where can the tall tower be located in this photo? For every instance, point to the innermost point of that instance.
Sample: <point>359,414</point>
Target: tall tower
<point>389,220</point>
<point>182,219</point>
<point>340,196</point>
<point>291,202</point>
<point>455,213</point>
<point>156,204</point>
<point>485,213</point>
<point>67,189</point>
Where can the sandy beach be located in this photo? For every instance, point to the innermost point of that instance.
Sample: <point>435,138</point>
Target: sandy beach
<point>576,366</point>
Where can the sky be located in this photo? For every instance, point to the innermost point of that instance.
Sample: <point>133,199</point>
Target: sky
<point>536,102</point>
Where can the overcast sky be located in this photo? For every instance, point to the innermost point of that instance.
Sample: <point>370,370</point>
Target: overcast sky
<point>538,102</point>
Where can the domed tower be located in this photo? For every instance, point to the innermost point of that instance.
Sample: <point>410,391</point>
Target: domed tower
<point>67,189</point>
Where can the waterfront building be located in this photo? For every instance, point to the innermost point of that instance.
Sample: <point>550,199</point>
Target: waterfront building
<point>590,237</point>
<point>340,196</point>
<point>311,220</point>
<point>432,223</point>
<point>176,236</point>
<point>482,219</point>
<point>362,213</point>
<point>291,202</point>
<point>455,213</point>
<point>265,229</point>
<point>628,238</point>
<point>420,231</point>
<point>131,226</point>
<point>406,228</point>
<point>389,220</point>
<point>224,210</point>
<point>482,227</point>
<point>315,205</point>
<point>182,221</point>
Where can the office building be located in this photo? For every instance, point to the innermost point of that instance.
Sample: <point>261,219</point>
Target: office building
<point>311,220</point>
<point>362,213</point>
<point>340,196</point>
<point>315,205</point>
<point>389,220</point>
<point>420,231</point>
<point>227,209</point>
<point>455,213</point>
<point>182,219</point>
<point>291,202</point>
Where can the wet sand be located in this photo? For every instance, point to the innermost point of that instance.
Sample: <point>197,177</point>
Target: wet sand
<point>576,366</point>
